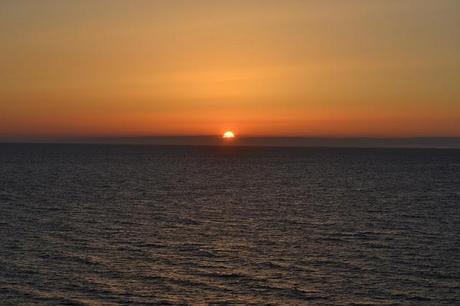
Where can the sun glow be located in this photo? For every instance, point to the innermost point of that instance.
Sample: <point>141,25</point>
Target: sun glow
<point>229,135</point>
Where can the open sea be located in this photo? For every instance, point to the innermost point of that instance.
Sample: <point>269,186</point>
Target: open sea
<point>159,225</point>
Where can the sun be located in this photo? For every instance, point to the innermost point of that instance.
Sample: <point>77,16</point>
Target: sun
<point>228,135</point>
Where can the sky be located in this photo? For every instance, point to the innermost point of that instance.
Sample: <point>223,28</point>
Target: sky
<point>326,68</point>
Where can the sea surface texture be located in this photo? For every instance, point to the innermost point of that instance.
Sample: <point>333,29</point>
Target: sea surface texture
<point>110,225</point>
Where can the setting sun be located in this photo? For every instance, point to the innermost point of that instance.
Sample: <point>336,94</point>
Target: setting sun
<point>229,135</point>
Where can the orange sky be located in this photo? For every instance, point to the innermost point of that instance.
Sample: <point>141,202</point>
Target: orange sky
<point>303,68</point>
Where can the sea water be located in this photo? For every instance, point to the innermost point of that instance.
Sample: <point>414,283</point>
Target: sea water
<point>114,224</point>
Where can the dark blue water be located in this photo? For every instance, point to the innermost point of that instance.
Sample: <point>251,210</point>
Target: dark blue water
<point>115,225</point>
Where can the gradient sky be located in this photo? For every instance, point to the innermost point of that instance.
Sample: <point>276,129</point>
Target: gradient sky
<point>388,68</point>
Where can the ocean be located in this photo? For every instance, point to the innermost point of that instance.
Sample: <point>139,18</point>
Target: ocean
<point>226,225</point>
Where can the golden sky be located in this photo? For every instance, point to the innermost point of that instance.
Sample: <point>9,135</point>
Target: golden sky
<point>199,67</point>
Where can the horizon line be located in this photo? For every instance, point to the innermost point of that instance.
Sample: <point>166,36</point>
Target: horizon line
<point>448,142</point>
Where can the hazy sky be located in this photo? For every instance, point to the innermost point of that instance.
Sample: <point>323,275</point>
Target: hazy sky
<point>325,68</point>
